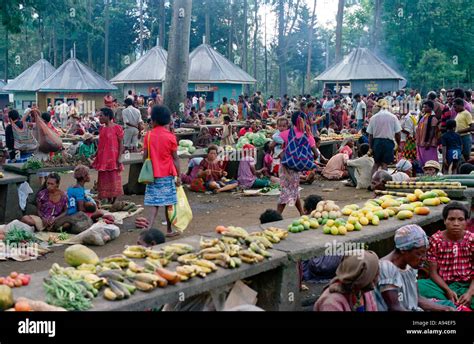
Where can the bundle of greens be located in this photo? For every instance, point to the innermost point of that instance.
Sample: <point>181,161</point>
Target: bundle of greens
<point>19,236</point>
<point>71,295</point>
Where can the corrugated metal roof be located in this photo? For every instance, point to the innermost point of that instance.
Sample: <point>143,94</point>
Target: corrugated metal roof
<point>151,67</point>
<point>31,78</point>
<point>2,84</point>
<point>207,65</point>
<point>74,76</point>
<point>360,64</point>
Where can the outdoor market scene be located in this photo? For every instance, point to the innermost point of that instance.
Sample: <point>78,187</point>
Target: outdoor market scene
<point>225,155</point>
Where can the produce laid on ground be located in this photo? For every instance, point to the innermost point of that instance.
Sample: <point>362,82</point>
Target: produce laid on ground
<point>186,147</point>
<point>19,236</point>
<point>120,206</point>
<point>15,280</point>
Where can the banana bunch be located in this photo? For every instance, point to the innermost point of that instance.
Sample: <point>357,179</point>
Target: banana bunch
<point>95,281</point>
<point>118,290</point>
<point>118,259</point>
<point>196,267</point>
<point>155,254</point>
<point>259,248</point>
<point>134,267</point>
<point>208,243</point>
<point>135,251</point>
<point>145,281</point>
<point>152,264</point>
<point>250,257</point>
<point>223,259</point>
<point>259,237</point>
<point>178,249</point>
<point>229,240</point>
<point>235,232</point>
<point>69,272</point>
<point>187,258</point>
<point>87,267</point>
<point>280,233</point>
<point>116,275</point>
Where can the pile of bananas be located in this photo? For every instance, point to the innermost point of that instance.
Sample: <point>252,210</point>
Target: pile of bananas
<point>195,267</point>
<point>115,262</point>
<point>177,249</point>
<point>138,252</point>
<point>234,232</point>
<point>250,257</point>
<point>222,252</point>
<point>85,273</point>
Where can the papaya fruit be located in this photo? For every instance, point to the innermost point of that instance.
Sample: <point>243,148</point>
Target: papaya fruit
<point>422,211</point>
<point>444,199</point>
<point>432,202</point>
<point>427,195</point>
<point>404,215</point>
<point>80,254</point>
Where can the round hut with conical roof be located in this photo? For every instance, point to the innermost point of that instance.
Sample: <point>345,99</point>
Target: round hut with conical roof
<point>25,85</point>
<point>144,74</point>
<point>214,76</point>
<point>74,83</point>
<point>361,72</point>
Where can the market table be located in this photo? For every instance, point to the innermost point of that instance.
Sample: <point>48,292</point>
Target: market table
<point>135,160</point>
<point>174,293</point>
<point>191,135</point>
<point>276,279</point>
<point>9,207</point>
<point>329,148</point>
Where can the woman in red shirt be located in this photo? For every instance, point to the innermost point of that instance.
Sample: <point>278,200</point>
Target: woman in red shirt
<point>108,161</point>
<point>164,157</point>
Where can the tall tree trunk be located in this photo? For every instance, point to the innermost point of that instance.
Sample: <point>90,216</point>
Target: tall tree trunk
<point>27,55</point>
<point>207,20</point>
<point>377,19</point>
<point>255,45</point>
<point>106,40</point>
<point>266,55</point>
<point>41,30</point>
<point>162,21</point>
<point>177,68</point>
<point>140,4</point>
<point>231,31</point>
<point>339,20</point>
<point>245,45</point>
<point>6,54</point>
<point>55,46</point>
<point>310,49</point>
<point>281,58</point>
<point>89,34</point>
<point>64,41</point>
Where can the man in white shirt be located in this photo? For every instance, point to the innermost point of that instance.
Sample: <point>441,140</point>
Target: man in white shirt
<point>132,121</point>
<point>63,114</point>
<point>360,169</point>
<point>384,129</point>
<point>360,111</point>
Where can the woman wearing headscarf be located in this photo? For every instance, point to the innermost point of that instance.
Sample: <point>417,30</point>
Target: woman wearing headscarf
<point>290,179</point>
<point>397,288</point>
<point>351,289</point>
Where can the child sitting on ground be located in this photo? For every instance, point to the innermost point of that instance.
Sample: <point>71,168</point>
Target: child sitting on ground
<point>248,175</point>
<point>151,237</point>
<point>204,138</point>
<point>270,215</point>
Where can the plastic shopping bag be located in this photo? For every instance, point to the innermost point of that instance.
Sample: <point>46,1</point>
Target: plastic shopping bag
<point>180,214</point>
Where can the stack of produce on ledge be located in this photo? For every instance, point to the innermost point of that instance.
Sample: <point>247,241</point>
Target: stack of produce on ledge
<point>186,147</point>
<point>466,180</point>
<point>59,160</point>
<point>338,137</point>
<point>257,139</point>
<point>425,185</point>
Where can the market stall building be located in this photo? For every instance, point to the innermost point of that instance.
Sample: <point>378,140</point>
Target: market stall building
<point>144,74</point>
<point>25,85</point>
<point>212,75</point>
<point>361,72</point>
<point>76,84</point>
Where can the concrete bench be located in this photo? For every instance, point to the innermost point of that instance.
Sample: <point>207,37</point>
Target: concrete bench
<point>9,207</point>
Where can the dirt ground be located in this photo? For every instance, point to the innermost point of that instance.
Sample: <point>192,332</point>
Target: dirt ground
<point>208,212</point>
